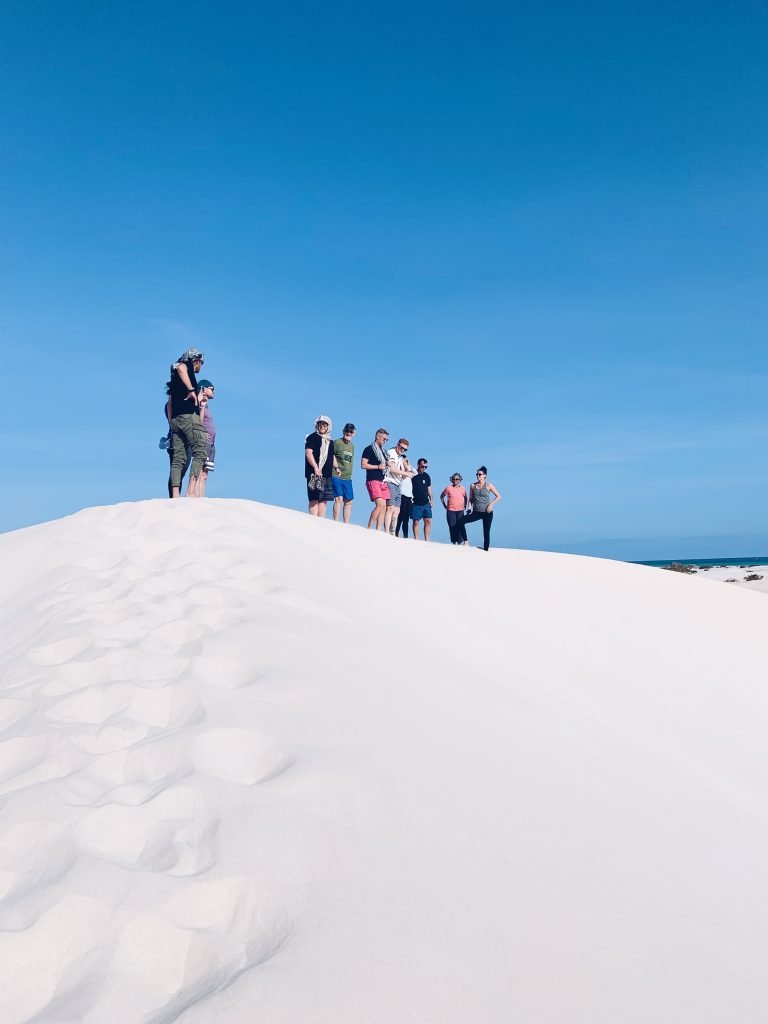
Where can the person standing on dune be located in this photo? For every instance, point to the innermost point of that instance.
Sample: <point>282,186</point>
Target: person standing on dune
<point>374,462</point>
<point>406,500</point>
<point>454,499</point>
<point>188,433</point>
<point>205,397</point>
<point>482,497</point>
<point>343,494</point>
<point>319,466</point>
<point>421,509</point>
<point>393,478</point>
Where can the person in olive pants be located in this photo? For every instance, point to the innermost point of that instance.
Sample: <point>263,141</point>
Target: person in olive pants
<point>188,433</point>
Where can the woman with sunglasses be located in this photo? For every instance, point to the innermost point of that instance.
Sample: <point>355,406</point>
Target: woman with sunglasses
<point>482,497</point>
<point>319,466</point>
<point>454,499</point>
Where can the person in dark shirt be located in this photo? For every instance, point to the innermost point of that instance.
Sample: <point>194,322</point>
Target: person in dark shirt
<point>319,466</point>
<point>374,462</point>
<point>187,431</point>
<point>421,510</point>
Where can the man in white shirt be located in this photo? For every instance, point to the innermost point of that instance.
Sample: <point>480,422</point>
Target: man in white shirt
<point>396,471</point>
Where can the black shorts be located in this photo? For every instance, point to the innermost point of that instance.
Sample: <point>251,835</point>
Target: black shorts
<point>325,495</point>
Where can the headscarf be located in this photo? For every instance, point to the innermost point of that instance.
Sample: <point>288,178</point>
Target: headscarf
<point>325,441</point>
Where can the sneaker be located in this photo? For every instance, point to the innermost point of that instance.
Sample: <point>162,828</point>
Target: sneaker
<point>209,465</point>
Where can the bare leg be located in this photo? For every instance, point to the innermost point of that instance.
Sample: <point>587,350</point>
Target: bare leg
<point>347,511</point>
<point>313,508</point>
<point>378,514</point>
<point>321,507</point>
<point>416,529</point>
<point>427,528</point>
<point>337,510</point>
<point>201,484</point>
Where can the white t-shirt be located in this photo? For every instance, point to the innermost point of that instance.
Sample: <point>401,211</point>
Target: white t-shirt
<point>393,455</point>
<point>406,488</point>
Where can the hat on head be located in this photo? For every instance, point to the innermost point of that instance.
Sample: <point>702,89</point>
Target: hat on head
<point>190,354</point>
<point>324,419</point>
<point>204,384</point>
<point>349,426</point>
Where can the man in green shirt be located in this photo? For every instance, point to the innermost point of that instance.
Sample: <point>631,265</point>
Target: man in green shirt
<point>344,451</point>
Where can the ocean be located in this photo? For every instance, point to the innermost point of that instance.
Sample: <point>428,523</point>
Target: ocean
<point>747,560</point>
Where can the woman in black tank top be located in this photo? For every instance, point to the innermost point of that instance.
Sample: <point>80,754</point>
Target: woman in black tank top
<point>482,496</point>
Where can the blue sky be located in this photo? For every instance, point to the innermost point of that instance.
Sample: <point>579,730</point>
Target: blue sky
<point>533,238</point>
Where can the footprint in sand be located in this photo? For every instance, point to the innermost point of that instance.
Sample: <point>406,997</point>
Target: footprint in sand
<point>174,833</point>
<point>169,707</point>
<point>225,672</point>
<point>92,706</point>
<point>298,602</point>
<point>153,670</point>
<point>32,854</point>
<point>20,754</point>
<point>108,738</point>
<point>245,571</point>
<point>130,777</point>
<point>13,712</point>
<point>46,970</point>
<point>78,675</point>
<point>172,637</point>
<point>59,651</point>
<point>101,561</point>
<point>237,755</point>
<point>214,597</point>
<point>30,760</point>
<point>198,942</point>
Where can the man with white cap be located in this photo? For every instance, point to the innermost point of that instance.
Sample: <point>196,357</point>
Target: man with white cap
<point>319,466</point>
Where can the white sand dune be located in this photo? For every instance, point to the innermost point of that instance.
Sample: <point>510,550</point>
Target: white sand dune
<point>256,767</point>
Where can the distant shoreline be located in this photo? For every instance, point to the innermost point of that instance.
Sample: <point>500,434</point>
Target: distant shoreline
<point>745,561</point>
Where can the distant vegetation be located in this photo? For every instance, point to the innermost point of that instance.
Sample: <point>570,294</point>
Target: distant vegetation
<point>679,567</point>
<point>752,576</point>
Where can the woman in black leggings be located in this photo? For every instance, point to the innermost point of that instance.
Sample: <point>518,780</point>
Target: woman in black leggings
<point>482,497</point>
<point>406,500</point>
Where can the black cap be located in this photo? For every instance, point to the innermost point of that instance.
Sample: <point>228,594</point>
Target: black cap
<point>349,426</point>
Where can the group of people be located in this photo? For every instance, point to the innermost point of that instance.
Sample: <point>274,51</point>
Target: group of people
<point>399,492</point>
<point>191,438</point>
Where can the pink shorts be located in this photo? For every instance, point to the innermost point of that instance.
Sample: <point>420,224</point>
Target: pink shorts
<point>377,489</point>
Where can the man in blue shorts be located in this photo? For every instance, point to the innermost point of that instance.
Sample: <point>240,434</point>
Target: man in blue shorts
<point>344,450</point>
<point>422,500</point>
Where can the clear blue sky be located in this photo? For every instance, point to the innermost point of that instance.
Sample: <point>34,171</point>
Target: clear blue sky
<point>526,235</point>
